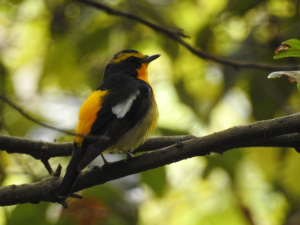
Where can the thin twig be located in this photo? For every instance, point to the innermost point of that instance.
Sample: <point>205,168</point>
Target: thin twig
<point>27,116</point>
<point>109,10</point>
<point>33,119</point>
<point>177,36</point>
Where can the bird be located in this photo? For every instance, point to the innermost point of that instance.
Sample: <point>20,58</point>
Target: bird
<point>117,117</point>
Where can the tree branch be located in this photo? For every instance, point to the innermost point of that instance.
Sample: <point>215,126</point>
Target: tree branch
<point>37,149</point>
<point>27,116</point>
<point>177,36</point>
<point>21,111</point>
<point>42,150</point>
<point>219,142</point>
<point>45,150</point>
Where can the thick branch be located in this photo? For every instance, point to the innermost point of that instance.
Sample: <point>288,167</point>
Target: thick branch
<point>37,149</point>
<point>44,150</point>
<point>219,142</point>
<point>177,35</point>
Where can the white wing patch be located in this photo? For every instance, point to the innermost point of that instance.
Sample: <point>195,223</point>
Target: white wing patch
<point>122,108</point>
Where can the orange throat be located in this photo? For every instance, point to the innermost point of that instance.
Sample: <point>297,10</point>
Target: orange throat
<point>143,73</point>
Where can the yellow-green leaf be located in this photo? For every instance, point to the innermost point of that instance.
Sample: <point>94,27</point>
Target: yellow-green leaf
<point>289,48</point>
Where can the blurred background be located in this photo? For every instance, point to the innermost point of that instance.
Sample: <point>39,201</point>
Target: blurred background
<point>52,56</point>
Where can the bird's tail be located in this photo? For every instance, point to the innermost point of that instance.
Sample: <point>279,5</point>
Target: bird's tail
<point>72,172</point>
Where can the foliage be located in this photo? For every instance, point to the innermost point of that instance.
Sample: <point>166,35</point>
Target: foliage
<point>53,54</point>
<point>289,48</point>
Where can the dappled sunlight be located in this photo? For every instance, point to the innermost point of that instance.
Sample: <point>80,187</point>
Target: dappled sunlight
<point>192,200</point>
<point>53,55</point>
<point>234,103</point>
<point>173,114</point>
<point>268,205</point>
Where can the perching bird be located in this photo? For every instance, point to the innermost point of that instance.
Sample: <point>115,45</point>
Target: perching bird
<point>122,112</point>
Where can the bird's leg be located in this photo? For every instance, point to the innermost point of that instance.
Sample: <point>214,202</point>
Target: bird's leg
<point>105,162</point>
<point>129,155</point>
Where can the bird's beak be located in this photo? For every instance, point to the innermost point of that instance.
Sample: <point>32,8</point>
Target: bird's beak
<point>150,58</point>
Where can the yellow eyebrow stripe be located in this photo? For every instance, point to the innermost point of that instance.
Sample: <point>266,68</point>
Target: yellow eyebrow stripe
<point>123,56</point>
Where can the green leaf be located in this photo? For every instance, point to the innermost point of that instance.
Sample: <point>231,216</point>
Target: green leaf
<point>29,214</point>
<point>289,48</point>
<point>156,180</point>
<point>294,76</point>
<point>298,87</point>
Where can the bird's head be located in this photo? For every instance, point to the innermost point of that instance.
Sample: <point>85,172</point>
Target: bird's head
<point>131,63</point>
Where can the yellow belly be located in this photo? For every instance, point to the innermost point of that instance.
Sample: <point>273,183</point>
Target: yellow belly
<point>138,134</point>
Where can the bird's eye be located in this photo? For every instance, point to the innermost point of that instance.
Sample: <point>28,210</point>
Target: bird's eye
<point>132,59</point>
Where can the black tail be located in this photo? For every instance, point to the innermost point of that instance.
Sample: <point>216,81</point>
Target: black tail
<point>72,172</point>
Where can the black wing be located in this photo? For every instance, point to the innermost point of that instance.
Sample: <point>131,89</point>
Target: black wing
<point>112,128</point>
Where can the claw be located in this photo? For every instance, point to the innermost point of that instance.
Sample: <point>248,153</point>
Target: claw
<point>63,203</point>
<point>75,195</point>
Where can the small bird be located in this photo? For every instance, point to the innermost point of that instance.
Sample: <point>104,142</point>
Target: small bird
<point>122,112</point>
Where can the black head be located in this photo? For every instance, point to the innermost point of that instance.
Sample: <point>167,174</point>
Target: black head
<point>127,62</point>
